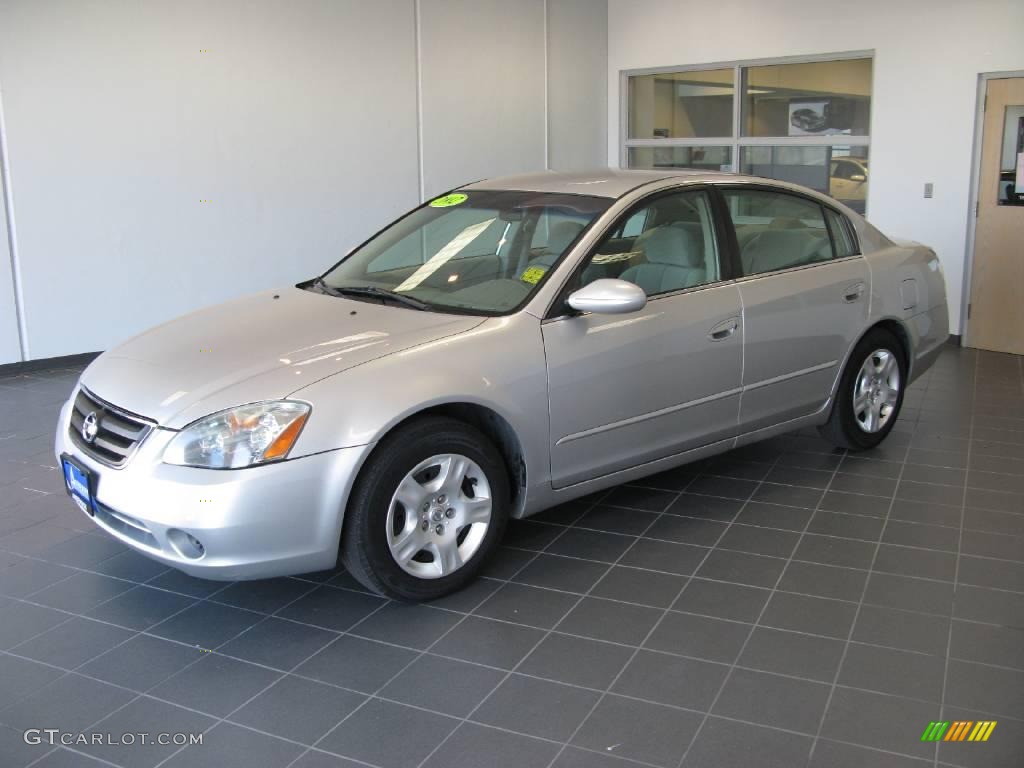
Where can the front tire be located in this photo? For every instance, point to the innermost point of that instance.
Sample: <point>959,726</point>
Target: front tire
<point>870,393</point>
<point>428,508</point>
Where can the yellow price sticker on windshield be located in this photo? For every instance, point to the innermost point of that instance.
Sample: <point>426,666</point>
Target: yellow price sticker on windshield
<point>532,274</point>
<point>446,200</point>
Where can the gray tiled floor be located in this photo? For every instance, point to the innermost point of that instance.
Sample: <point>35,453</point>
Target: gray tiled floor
<point>783,605</point>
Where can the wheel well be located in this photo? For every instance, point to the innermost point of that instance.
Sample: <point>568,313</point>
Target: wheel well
<point>897,330</point>
<point>497,430</point>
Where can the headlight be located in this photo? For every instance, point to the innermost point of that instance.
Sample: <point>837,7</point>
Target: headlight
<point>239,437</point>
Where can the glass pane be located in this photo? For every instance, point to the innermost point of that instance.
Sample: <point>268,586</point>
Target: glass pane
<point>1011,169</point>
<point>839,171</point>
<point>842,238</point>
<point>681,105</point>
<point>698,158</point>
<point>776,230</point>
<point>479,251</point>
<point>666,246</point>
<point>823,98</point>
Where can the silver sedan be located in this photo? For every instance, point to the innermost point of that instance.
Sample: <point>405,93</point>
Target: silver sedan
<point>503,348</point>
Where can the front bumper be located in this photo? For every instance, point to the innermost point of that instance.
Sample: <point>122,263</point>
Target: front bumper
<point>272,520</point>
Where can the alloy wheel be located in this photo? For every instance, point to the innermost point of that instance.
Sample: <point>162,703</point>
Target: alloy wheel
<point>876,391</point>
<point>439,515</point>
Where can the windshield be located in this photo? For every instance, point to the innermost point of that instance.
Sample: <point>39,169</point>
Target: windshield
<point>480,252</point>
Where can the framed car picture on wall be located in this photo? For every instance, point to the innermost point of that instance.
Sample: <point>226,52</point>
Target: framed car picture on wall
<point>808,117</point>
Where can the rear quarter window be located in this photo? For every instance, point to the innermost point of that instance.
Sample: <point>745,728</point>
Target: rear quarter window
<point>842,234</point>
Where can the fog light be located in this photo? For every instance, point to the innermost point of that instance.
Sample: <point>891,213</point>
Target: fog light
<point>185,544</point>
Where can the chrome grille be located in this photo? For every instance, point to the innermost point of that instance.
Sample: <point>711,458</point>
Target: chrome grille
<point>118,432</point>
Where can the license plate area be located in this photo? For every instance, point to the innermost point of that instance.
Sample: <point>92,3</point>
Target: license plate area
<point>80,484</point>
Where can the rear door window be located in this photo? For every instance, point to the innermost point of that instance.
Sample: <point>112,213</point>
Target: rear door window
<point>777,230</point>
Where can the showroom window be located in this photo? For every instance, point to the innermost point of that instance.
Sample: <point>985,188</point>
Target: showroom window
<point>805,121</point>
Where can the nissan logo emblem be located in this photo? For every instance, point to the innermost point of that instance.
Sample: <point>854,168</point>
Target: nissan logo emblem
<point>90,427</point>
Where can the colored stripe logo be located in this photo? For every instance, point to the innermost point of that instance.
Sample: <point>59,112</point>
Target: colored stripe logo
<point>959,730</point>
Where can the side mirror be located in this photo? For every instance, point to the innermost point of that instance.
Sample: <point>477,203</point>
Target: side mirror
<point>608,297</point>
<point>858,177</point>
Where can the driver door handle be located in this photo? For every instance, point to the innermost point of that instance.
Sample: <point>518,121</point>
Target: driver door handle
<point>724,329</point>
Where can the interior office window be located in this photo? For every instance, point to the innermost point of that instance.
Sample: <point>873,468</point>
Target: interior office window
<point>819,98</point>
<point>681,104</point>
<point>673,247</point>
<point>776,230</point>
<point>837,170</point>
<point>695,158</point>
<point>806,122</point>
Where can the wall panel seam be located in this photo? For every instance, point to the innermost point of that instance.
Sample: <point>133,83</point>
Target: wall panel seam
<point>417,23</point>
<point>12,240</point>
<point>547,91</point>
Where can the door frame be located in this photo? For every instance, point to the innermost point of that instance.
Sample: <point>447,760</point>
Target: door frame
<point>972,201</point>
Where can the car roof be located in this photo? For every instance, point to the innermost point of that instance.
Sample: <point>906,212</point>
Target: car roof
<point>602,182</point>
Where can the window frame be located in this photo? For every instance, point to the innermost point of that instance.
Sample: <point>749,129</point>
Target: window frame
<point>737,141</point>
<point>724,246</point>
<point>825,206</point>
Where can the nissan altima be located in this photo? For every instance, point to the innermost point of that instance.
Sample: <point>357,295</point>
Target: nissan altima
<point>507,346</point>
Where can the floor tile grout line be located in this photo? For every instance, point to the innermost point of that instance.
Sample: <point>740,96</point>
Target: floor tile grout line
<point>915,548</point>
<point>810,562</point>
<point>956,573</point>
<point>212,596</point>
<point>134,633</point>
<point>664,613</point>
<point>211,599</point>
<point>813,511</point>
<point>856,617</point>
<point>757,621</point>
<point>209,715</point>
<point>960,547</point>
<point>283,672</point>
<point>274,615</point>
<point>63,748</point>
<point>448,631</point>
<point>582,596</point>
<point>74,670</point>
<point>141,694</point>
<point>889,518</point>
<point>37,558</point>
<point>220,720</point>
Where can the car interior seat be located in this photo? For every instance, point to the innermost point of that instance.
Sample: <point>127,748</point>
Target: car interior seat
<point>674,260</point>
<point>775,249</point>
<point>559,238</point>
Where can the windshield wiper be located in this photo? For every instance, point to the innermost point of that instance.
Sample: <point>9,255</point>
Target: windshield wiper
<point>373,292</point>
<point>323,287</point>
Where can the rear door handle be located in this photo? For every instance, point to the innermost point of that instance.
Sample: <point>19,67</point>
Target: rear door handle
<point>853,292</point>
<point>724,329</point>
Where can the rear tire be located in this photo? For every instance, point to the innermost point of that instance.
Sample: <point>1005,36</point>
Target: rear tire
<point>870,393</point>
<point>428,508</point>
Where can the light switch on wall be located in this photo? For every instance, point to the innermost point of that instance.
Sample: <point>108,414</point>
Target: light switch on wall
<point>928,189</point>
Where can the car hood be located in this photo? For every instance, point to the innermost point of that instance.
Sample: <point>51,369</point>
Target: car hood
<point>260,347</point>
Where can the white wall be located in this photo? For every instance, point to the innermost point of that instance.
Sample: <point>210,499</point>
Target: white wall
<point>928,55</point>
<point>483,76</point>
<point>577,101</point>
<point>298,121</point>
